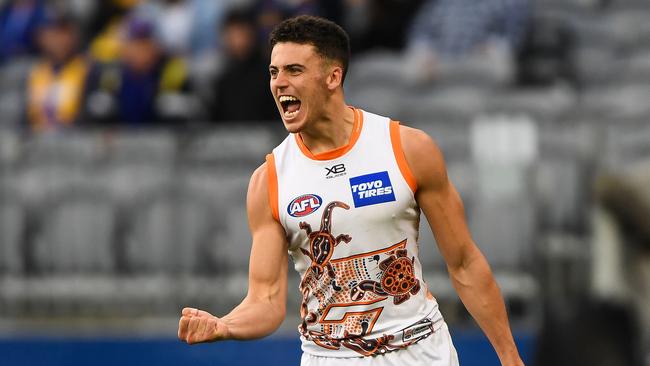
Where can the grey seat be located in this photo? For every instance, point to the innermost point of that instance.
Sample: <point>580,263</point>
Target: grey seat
<point>377,68</point>
<point>128,180</point>
<point>12,107</point>
<point>629,26</point>
<point>15,71</point>
<point>562,174</point>
<point>443,104</point>
<point>10,148</point>
<point>560,194</point>
<point>146,146</point>
<point>626,142</point>
<point>76,232</point>
<point>39,182</point>
<point>503,215</point>
<point>232,145</point>
<point>383,101</point>
<point>505,232</point>
<point>451,136</point>
<point>540,103</point>
<point>13,225</point>
<point>226,189</point>
<point>171,231</point>
<point>73,148</point>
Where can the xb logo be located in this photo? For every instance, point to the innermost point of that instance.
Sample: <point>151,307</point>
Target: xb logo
<point>335,171</point>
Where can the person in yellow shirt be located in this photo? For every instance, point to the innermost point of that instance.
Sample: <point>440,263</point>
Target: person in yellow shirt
<point>55,88</point>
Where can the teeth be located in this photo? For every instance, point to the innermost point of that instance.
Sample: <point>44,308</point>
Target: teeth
<point>291,114</point>
<point>288,98</point>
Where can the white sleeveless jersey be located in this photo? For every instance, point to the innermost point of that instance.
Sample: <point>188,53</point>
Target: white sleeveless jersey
<point>352,224</point>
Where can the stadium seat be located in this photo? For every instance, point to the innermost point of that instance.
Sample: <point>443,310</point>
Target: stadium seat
<point>10,148</point>
<point>76,230</point>
<point>542,103</point>
<point>13,225</point>
<point>128,180</point>
<point>225,188</point>
<point>75,148</point>
<point>626,143</point>
<point>11,108</point>
<point>150,146</point>
<point>171,231</point>
<point>232,145</point>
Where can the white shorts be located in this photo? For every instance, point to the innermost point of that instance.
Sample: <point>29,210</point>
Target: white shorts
<point>435,350</point>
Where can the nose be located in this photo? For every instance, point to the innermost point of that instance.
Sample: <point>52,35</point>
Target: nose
<point>280,81</point>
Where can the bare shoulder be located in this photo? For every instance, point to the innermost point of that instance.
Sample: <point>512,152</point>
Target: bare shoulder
<point>258,186</point>
<point>259,179</point>
<point>257,201</point>
<point>424,157</point>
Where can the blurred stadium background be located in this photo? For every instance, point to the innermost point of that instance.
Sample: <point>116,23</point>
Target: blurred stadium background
<point>129,129</point>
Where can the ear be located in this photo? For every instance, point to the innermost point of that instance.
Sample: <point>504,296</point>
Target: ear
<point>334,77</point>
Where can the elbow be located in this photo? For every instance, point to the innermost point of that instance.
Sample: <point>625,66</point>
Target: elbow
<point>281,314</point>
<point>468,262</point>
<point>277,312</point>
<point>464,258</point>
<point>275,317</point>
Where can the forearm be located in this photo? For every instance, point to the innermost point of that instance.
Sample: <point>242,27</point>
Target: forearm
<point>481,296</point>
<point>254,318</point>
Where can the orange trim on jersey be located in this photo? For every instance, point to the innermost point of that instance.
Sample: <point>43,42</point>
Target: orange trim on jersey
<point>273,186</point>
<point>401,244</point>
<point>396,141</point>
<point>339,151</point>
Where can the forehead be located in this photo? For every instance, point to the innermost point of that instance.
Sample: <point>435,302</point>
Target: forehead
<point>287,53</point>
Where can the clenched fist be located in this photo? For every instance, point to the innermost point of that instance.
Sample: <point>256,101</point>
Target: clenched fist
<point>198,326</point>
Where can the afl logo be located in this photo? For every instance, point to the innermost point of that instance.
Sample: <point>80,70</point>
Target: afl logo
<point>304,205</point>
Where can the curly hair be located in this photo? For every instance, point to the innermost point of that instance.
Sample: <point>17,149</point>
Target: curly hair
<point>329,39</point>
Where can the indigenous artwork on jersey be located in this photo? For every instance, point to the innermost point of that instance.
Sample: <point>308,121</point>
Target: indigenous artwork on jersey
<point>347,287</point>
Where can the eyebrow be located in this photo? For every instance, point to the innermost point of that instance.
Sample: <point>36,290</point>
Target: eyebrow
<point>289,66</point>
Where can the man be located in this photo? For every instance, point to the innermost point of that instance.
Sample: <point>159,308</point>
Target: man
<point>56,85</point>
<point>19,24</point>
<point>146,88</point>
<point>342,194</point>
<point>237,92</point>
<point>466,36</point>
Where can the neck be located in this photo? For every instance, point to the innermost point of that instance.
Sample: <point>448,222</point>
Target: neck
<point>332,130</point>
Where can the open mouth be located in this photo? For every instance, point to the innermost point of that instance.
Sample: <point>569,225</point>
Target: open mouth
<point>290,105</point>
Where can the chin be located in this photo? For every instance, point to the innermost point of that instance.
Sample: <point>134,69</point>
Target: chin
<point>292,127</point>
<point>295,125</point>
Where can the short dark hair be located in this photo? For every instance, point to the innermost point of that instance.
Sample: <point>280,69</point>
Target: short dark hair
<point>329,39</point>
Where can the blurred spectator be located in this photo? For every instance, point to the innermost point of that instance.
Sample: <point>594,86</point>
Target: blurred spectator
<point>19,20</point>
<point>271,12</point>
<point>56,84</point>
<point>185,27</point>
<point>146,87</point>
<point>381,24</point>
<point>451,32</point>
<point>242,88</point>
<point>547,53</point>
<point>105,28</point>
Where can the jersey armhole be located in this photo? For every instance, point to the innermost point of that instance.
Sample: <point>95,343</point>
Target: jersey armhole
<point>272,186</point>
<point>400,158</point>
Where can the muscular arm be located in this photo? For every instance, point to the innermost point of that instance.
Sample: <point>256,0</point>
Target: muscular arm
<point>469,271</point>
<point>263,309</point>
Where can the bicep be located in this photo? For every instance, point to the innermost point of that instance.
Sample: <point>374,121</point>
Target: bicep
<point>445,213</point>
<point>268,264</point>
<point>438,198</point>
